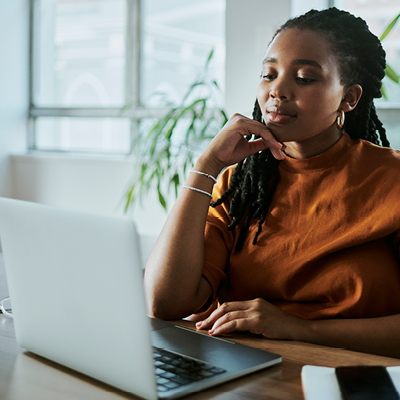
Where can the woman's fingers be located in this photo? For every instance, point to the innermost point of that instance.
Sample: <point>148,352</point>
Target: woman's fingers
<point>230,145</point>
<point>269,140</point>
<point>236,324</point>
<point>255,316</point>
<point>251,127</point>
<point>222,311</point>
<point>238,320</point>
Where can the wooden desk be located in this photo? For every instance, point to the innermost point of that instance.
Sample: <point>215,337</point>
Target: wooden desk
<point>24,376</point>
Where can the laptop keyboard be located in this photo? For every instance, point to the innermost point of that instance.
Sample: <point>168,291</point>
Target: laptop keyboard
<point>174,370</point>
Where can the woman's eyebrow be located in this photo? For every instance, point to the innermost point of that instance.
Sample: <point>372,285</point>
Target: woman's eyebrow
<point>300,61</point>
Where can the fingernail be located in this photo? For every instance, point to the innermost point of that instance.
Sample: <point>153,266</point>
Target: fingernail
<point>199,324</point>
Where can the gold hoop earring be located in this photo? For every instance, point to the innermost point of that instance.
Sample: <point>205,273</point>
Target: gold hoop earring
<point>340,119</point>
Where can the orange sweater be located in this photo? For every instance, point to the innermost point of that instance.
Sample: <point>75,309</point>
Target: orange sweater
<point>330,245</point>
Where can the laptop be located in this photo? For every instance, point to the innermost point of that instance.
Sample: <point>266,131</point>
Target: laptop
<point>76,288</point>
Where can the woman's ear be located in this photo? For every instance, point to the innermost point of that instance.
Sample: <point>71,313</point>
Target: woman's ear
<point>352,95</point>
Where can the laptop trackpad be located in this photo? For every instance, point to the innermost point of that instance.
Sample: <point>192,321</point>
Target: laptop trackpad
<point>190,343</point>
<point>223,353</point>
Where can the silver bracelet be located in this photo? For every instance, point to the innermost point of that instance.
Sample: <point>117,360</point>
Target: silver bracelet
<point>203,173</point>
<point>197,190</point>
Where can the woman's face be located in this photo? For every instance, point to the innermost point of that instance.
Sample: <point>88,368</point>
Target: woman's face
<point>300,91</point>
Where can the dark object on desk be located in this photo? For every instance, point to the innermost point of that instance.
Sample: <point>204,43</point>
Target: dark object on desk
<point>366,383</point>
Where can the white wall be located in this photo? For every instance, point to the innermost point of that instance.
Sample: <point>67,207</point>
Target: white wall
<point>250,26</point>
<point>299,7</point>
<point>90,184</point>
<point>14,54</point>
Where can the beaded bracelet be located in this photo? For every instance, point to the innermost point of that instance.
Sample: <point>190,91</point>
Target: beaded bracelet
<point>203,173</point>
<point>197,190</point>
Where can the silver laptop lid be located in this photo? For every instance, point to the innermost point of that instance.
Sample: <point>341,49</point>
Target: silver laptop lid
<point>99,328</point>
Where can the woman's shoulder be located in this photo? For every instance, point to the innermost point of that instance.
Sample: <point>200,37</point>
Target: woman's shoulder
<point>376,156</point>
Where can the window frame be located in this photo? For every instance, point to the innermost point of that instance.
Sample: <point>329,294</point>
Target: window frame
<point>131,108</point>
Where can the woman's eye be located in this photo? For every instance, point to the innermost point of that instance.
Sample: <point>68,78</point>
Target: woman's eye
<point>268,77</point>
<point>304,81</point>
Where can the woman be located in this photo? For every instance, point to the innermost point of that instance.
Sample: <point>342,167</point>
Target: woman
<point>311,252</point>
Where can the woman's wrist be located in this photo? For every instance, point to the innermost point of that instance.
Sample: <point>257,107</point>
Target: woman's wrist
<point>208,165</point>
<point>302,330</point>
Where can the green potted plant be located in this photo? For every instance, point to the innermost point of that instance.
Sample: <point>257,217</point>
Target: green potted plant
<point>168,149</point>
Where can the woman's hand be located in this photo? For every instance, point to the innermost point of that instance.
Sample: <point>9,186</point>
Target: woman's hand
<point>256,316</point>
<point>230,145</point>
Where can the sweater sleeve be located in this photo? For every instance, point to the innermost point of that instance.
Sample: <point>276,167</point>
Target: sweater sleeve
<point>218,241</point>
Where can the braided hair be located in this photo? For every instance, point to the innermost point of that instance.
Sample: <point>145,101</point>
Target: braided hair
<point>361,60</point>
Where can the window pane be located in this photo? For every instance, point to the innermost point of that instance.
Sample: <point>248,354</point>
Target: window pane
<point>392,126</point>
<point>378,14</point>
<point>80,53</point>
<point>110,135</point>
<point>178,36</point>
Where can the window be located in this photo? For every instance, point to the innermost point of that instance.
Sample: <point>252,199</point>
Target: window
<point>96,64</point>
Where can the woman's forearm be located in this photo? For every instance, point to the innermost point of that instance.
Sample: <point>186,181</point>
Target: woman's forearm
<point>371,335</point>
<point>173,279</point>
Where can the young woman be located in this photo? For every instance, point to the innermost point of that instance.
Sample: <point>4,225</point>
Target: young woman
<point>302,240</point>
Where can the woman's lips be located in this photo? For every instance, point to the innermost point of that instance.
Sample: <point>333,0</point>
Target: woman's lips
<point>280,116</point>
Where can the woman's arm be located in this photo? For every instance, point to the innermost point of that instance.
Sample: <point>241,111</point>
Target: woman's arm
<point>371,335</point>
<point>174,284</point>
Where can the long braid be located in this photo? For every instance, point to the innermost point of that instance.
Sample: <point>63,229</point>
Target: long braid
<point>251,187</point>
<point>362,61</point>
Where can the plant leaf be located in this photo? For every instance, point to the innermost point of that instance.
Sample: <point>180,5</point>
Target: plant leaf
<point>191,130</point>
<point>129,198</point>
<point>389,28</point>
<point>215,83</point>
<point>175,180</point>
<point>210,56</point>
<point>191,87</point>
<point>203,109</point>
<point>225,116</point>
<point>157,136</point>
<point>206,125</point>
<point>160,125</point>
<point>391,74</point>
<point>383,91</point>
<point>171,129</point>
<point>190,107</point>
<point>161,199</point>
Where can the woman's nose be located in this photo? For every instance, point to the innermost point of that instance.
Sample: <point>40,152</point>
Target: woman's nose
<point>280,90</point>
<point>276,95</point>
